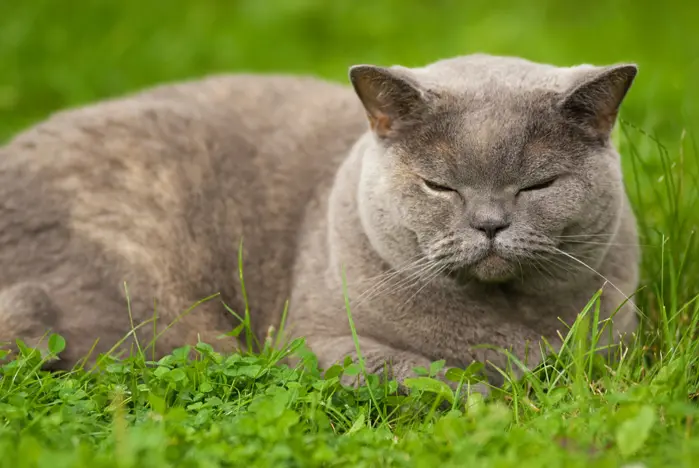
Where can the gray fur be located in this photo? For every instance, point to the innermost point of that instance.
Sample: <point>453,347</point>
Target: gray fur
<point>158,188</point>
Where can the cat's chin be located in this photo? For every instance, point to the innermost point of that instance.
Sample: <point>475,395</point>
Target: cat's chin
<point>493,269</point>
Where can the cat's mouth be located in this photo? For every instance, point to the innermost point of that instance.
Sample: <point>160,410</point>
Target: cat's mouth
<point>488,267</point>
<point>493,268</point>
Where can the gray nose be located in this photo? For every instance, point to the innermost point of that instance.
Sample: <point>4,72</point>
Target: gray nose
<point>489,215</point>
<point>490,226</point>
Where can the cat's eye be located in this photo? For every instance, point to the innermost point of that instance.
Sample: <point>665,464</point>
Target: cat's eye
<point>436,187</point>
<point>540,186</point>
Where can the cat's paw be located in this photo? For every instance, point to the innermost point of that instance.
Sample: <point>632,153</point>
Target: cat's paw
<point>402,375</point>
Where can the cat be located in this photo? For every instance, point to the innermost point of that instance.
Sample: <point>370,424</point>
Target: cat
<point>477,200</point>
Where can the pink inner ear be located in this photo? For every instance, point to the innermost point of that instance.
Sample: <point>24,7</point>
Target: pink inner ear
<point>380,123</point>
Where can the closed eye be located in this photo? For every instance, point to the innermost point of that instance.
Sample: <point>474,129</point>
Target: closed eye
<point>436,187</point>
<point>540,186</point>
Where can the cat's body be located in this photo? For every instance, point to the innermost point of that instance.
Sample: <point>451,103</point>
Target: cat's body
<point>158,189</point>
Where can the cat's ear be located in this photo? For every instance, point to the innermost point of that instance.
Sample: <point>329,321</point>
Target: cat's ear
<point>392,99</point>
<point>594,103</point>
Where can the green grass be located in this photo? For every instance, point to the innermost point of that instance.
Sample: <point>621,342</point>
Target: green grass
<point>250,410</point>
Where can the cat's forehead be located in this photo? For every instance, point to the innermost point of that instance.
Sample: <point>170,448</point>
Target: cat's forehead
<point>495,118</point>
<point>499,137</point>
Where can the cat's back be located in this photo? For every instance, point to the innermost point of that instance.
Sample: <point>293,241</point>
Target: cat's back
<point>261,109</point>
<point>252,130</point>
<point>166,182</point>
<point>260,140</point>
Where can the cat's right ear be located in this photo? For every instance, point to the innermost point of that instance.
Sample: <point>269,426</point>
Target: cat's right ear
<point>392,99</point>
<point>594,103</point>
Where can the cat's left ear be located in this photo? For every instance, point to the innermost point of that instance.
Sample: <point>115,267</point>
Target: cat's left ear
<point>594,103</point>
<point>393,100</point>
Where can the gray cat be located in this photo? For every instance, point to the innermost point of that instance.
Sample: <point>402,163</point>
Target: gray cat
<point>483,205</point>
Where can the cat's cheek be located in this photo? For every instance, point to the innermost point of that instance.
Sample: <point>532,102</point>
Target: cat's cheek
<point>570,203</point>
<point>429,221</point>
<point>426,205</point>
<point>404,200</point>
<point>550,211</point>
<point>407,210</point>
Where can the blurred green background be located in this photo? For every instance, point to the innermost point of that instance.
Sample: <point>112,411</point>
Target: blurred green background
<point>55,54</point>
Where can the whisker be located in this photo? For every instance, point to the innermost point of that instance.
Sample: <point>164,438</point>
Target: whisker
<point>401,277</point>
<point>391,274</point>
<point>390,271</point>
<point>403,283</point>
<point>540,265</point>
<point>573,236</point>
<point>554,266</point>
<point>415,277</point>
<point>427,282</point>
<point>521,270</point>
<point>607,244</point>
<point>628,299</point>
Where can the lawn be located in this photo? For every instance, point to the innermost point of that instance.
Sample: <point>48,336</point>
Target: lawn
<point>248,410</point>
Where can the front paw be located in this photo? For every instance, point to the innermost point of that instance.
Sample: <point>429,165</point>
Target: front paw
<point>408,379</point>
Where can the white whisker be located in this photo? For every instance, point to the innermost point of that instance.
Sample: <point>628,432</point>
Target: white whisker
<point>427,281</point>
<point>573,236</point>
<point>390,275</point>
<point>605,244</point>
<point>627,298</point>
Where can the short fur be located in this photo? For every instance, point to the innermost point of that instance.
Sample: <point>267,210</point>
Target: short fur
<point>483,205</point>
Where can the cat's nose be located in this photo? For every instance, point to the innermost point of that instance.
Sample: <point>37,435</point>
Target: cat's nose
<point>490,226</point>
<point>490,216</point>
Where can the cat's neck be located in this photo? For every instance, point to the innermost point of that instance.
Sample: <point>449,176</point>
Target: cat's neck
<point>349,247</point>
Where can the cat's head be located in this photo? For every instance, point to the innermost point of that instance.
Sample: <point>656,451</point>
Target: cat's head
<point>491,168</point>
